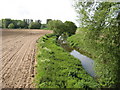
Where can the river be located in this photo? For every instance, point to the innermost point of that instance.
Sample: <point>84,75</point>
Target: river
<point>87,63</point>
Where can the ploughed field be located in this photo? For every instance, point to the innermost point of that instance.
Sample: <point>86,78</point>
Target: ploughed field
<point>18,57</point>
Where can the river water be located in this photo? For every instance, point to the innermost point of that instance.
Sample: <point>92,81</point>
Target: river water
<point>87,63</point>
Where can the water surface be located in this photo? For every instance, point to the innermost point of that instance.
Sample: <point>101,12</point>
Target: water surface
<point>87,63</point>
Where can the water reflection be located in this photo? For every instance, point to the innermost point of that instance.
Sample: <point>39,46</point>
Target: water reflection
<point>87,63</point>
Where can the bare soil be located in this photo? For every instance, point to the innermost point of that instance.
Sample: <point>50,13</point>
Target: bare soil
<point>18,57</point>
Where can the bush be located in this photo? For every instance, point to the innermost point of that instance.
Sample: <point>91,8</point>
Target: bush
<point>6,22</point>
<point>57,26</point>
<point>22,24</point>
<point>70,27</point>
<point>11,26</point>
<point>34,25</point>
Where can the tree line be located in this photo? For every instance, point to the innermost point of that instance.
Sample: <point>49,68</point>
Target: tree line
<point>21,24</point>
<point>68,27</point>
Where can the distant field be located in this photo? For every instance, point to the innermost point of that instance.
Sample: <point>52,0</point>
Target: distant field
<point>18,56</point>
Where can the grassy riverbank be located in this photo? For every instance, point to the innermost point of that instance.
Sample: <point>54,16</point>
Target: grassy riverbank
<point>103,47</point>
<point>56,68</point>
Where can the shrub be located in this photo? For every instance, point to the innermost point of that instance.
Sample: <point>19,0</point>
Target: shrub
<point>43,26</point>
<point>70,27</point>
<point>34,25</point>
<point>22,24</point>
<point>56,68</point>
<point>57,26</point>
<point>11,26</point>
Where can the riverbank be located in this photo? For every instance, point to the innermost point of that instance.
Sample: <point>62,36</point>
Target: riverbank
<point>56,68</point>
<point>102,47</point>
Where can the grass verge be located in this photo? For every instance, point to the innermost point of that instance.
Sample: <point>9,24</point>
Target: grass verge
<point>56,68</point>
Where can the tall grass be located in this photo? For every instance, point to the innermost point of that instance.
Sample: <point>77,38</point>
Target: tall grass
<point>56,68</point>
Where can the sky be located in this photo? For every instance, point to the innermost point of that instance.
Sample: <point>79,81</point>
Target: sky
<point>38,9</point>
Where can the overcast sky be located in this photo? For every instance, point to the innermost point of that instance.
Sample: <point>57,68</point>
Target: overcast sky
<point>38,9</point>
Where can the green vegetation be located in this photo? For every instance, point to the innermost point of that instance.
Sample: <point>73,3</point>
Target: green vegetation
<point>56,68</point>
<point>34,25</point>
<point>106,55</point>
<point>5,23</point>
<point>48,20</point>
<point>44,26</point>
<point>20,24</point>
<point>59,27</point>
<point>98,38</point>
<point>70,28</point>
<point>11,26</point>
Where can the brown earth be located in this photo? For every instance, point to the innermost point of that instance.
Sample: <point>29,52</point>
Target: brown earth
<point>18,57</point>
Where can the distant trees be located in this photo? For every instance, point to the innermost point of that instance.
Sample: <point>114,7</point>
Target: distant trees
<point>34,25</point>
<point>59,27</point>
<point>6,22</point>
<point>26,23</point>
<point>43,26</point>
<point>11,26</point>
<point>22,24</point>
<point>56,25</point>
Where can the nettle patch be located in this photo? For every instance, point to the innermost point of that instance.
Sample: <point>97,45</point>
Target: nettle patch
<point>56,68</point>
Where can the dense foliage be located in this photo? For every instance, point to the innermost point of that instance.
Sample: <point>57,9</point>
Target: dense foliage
<point>34,25</point>
<point>11,26</point>
<point>59,27</point>
<point>21,24</point>
<point>5,23</point>
<point>56,68</point>
<point>70,27</point>
<point>15,24</point>
<point>98,37</point>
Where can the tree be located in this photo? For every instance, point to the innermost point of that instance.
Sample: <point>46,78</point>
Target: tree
<point>57,26</point>
<point>48,20</point>
<point>102,31</point>
<point>11,26</point>
<point>22,24</point>
<point>15,23</point>
<point>34,25</point>
<point>70,28</point>
<point>6,22</point>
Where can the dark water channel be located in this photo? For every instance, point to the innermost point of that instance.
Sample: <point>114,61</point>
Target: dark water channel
<point>87,63</point>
